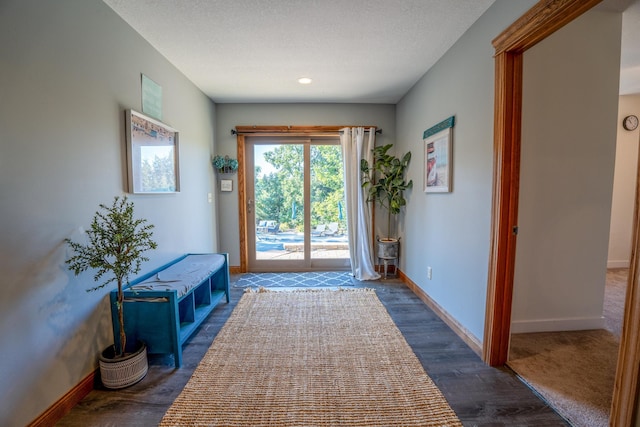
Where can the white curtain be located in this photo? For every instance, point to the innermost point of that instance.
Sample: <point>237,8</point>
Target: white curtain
<point>355,147</point>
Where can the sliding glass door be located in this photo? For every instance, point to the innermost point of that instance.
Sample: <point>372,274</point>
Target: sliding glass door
<point>296,217</point>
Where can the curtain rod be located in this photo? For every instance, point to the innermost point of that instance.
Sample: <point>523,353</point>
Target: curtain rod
<point>367,130</point>
<point>301,130</point>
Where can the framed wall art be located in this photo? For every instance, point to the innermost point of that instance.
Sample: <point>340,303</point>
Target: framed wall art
<point>438,157</point>
<point>152,155</point>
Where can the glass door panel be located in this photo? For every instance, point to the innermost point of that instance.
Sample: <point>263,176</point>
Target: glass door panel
<point>279,201</point>
<point>296,216</point>
<point>328,214</point>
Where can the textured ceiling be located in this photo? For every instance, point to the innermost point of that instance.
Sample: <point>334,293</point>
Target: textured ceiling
<point>365,51</point>
<point>360,51</point>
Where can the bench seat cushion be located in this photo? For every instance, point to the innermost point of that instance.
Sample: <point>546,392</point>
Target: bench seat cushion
<point>183,275</point>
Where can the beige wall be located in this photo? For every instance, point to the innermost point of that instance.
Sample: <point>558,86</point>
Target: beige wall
<point>624,183</point>
<point>570,100</point>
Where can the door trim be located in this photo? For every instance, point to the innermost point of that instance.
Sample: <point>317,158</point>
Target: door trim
<point>267,131</point>
<point>625,390</point>
<point>242,204</point>
<point>539,22</point>
<point>294,130</point>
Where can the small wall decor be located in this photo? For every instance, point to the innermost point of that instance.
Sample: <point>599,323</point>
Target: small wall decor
<point>151,98</point>
<point>224,164</point>
<point>152,155</point>
<point>438,157</point>
<point>226,185</point>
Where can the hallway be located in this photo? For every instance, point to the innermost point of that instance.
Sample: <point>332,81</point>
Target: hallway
<point>479,394</point>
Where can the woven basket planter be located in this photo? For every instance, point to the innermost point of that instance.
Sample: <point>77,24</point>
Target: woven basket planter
<point>123,371</point>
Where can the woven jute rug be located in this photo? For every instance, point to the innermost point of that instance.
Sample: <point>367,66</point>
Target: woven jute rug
<point>310,358</point>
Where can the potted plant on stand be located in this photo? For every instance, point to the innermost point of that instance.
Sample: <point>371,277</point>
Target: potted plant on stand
<point>385,183</point>
<point>115,250</point>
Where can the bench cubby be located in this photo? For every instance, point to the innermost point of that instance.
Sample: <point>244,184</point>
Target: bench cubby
<point>164,307</point>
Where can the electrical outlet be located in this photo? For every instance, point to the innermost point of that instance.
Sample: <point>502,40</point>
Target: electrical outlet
<point>209,197</point>
<point>429,273</point>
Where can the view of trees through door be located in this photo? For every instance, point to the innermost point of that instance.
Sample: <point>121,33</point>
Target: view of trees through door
<point>296,193</point>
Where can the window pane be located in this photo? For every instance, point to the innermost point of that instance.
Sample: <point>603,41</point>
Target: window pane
<point>279,207</point>
<point>328,212</point>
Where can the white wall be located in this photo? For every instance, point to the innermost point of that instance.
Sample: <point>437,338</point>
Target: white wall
<point>451,232</point>
<point>228,116</point>
<point>570,107</point>
<point>624,183</point>
<point>69,70</point>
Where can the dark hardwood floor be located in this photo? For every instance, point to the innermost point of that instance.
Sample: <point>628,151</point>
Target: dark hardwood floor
<point>480,395</point>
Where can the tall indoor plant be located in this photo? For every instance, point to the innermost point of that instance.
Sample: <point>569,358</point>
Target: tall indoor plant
<point>385,181</point>
<point>116,247</point>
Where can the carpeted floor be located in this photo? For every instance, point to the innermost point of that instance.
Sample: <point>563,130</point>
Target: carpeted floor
<point>574,371</point>
<point>310,358</point>
<point>300,280</point>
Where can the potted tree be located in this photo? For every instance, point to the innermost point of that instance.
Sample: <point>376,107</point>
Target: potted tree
<point>385,183</point>
<point>115,250</point>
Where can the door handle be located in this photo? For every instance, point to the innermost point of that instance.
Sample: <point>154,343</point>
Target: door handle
<point>249,205</point>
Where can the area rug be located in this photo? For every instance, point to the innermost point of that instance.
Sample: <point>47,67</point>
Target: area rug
<point>301,280</point>
<point>310,358</point>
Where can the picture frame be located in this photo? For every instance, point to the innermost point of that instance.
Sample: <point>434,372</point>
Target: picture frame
<point>438,157</point>
<point>226,185</point>
<point>153,161</point>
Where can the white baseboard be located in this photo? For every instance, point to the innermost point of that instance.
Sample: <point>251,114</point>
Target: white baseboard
<point>552,325</point>
<point>618,264</point>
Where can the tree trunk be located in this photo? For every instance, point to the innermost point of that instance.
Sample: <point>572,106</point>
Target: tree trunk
<point>123,336</point>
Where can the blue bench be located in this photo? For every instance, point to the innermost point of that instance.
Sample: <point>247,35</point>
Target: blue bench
<point>164,307</point>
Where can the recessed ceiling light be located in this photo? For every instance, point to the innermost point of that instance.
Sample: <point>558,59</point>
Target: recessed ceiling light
<point>304,80</point>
